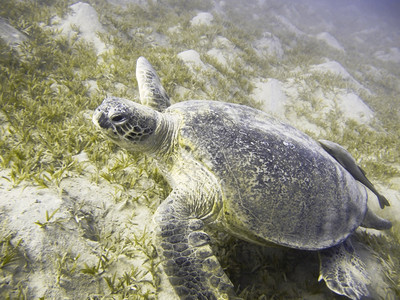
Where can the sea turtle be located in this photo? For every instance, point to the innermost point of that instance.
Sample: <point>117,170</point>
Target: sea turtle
<point>237,169</point>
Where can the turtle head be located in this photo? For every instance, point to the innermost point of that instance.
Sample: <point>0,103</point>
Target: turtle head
<point>128,124</point>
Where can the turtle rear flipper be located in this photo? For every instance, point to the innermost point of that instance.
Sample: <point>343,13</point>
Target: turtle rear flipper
<point>186,255</point>
<point>372,220</point>
<point>343,271</point>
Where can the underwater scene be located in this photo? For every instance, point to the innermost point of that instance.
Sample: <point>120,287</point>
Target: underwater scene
<point>83,218</point>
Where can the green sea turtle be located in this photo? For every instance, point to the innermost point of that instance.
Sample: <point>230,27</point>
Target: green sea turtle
<point>237,169</point>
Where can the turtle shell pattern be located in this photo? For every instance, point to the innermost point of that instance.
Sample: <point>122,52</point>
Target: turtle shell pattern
<point>278,184</point>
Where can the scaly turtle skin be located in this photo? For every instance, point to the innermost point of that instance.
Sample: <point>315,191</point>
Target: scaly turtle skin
<point>238,169</point>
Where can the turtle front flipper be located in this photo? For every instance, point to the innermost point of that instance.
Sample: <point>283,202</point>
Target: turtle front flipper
<point>343,271</point>
<point>186,255</point>
<point>151,91</point>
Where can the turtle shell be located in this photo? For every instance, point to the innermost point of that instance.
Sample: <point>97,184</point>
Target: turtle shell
<point>278,184</point>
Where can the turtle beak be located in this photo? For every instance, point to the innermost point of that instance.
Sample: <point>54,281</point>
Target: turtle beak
<point>101,120</point>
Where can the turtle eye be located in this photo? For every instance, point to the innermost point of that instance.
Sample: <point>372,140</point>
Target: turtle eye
<point>117,118</point>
